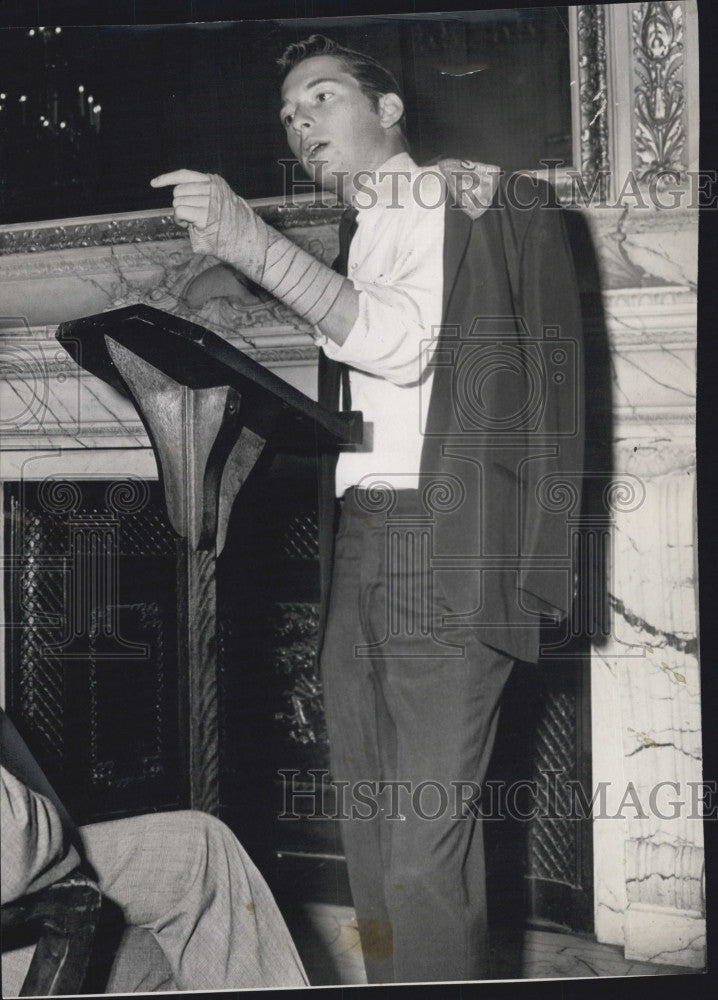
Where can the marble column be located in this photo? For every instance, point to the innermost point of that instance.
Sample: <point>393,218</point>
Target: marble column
<point>648,839</point>
<point>645,675</point>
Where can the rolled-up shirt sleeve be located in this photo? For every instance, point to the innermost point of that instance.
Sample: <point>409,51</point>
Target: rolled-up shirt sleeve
<point>396,266</point>
<point>35,849</point>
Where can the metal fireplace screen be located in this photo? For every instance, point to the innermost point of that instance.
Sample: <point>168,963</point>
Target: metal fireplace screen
<point>92,677</point>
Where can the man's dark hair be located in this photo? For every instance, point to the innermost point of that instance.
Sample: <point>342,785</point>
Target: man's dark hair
<point>373,78</point>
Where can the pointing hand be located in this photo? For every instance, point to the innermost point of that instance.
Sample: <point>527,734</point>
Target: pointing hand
<point>190,198</point>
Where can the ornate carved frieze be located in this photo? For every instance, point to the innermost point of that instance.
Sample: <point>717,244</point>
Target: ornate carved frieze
<point>659,100</point>
<point>107,231</point>
<point>593,96</point>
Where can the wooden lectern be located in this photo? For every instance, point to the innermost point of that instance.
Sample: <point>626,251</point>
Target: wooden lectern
<point>209,411</point>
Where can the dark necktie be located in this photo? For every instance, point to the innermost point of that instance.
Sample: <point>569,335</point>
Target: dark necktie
<point>332,375</point>
<point>347,228</point>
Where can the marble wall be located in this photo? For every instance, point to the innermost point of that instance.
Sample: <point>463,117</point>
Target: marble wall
<point>45,278</point>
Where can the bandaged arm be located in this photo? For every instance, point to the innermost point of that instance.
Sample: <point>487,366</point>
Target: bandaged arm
<point>236,234</point>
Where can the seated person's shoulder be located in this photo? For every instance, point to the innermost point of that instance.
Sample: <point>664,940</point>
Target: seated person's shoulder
<point>36,832</point>
<point>35,848</point>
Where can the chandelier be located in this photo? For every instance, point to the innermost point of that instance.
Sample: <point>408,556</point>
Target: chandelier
<point>50,122</point>
<point>52,101</point>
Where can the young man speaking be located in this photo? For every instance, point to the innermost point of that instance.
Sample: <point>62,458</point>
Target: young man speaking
<point>453,311</point>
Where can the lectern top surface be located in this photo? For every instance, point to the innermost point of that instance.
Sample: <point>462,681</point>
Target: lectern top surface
<point>194,357</point>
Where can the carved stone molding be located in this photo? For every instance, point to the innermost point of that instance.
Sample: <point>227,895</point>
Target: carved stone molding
<point>656,314</point>
<point>277,356</point>
<point>659,103</point>
<point>103,231</point>
<point>96,260</point>
<point>149,227</point>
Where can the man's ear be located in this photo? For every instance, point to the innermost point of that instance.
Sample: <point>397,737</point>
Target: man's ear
<point>391,108</point>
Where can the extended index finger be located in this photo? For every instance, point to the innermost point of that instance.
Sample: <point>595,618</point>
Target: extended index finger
<point>178,177</point>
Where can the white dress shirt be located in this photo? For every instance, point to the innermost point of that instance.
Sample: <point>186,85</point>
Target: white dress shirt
<point>396,265</point>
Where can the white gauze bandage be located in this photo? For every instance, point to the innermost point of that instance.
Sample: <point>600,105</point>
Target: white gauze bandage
<point>235,233</point>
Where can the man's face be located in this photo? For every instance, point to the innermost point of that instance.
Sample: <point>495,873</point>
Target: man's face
<point>331,126</point>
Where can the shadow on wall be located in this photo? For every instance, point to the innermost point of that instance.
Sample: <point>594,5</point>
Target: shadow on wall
<point>540,871</point>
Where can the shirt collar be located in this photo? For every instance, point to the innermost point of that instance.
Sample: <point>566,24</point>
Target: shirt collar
<point>389,184</point>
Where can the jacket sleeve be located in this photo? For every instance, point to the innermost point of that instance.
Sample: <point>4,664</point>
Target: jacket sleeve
<point>549,303</point>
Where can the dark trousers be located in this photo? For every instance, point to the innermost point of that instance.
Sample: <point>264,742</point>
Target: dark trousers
<point>415,704</point>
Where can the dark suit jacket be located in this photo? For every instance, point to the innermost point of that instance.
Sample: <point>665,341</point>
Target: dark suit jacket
<point>502,457</point>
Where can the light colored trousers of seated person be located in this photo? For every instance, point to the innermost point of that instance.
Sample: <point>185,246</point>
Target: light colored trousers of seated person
<point>185,878</point>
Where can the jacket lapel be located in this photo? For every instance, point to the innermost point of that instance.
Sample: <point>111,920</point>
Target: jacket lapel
<point>457,230</point>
